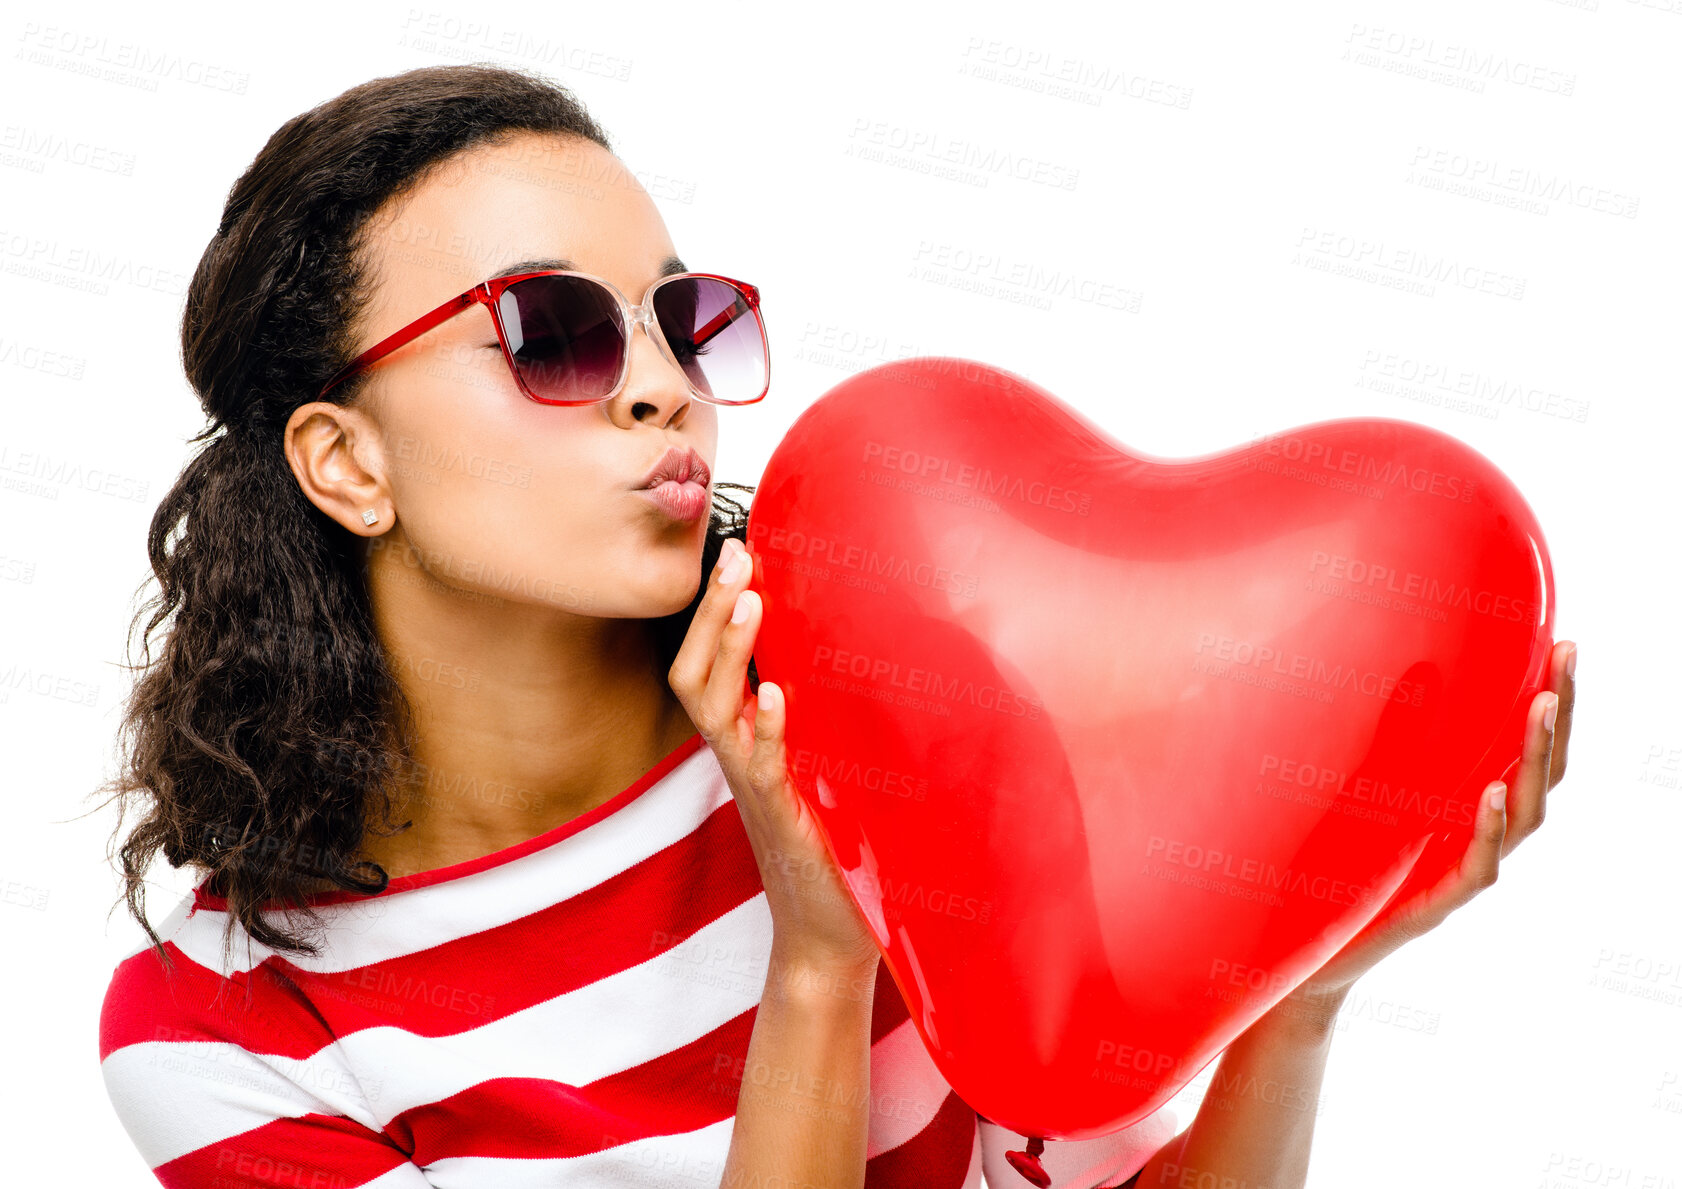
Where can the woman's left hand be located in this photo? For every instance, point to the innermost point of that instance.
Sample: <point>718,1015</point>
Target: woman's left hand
<point>1497,831</point>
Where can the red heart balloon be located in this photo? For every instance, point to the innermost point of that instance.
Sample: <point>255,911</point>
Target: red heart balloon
<point>1114,750</point>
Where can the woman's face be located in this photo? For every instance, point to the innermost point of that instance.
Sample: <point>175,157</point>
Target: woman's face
<point>485,490</point>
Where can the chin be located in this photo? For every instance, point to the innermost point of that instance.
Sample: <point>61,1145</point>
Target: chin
<point>676,584</point>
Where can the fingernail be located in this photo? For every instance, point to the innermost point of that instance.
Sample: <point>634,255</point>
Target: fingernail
<point>733,570</point>
<point>1571,662</point>
<point>741,611</point>
<point>725,553</point>
<point>1498,798</point>
<point>1550,713</point>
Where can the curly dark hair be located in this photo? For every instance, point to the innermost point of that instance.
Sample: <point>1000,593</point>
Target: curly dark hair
<point>269,731</point>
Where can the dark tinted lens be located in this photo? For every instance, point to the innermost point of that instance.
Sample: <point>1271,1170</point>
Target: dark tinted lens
<point>715,335</point>
<point>566,336</point>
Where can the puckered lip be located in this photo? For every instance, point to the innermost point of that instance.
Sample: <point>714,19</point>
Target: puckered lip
<point>677,463</point>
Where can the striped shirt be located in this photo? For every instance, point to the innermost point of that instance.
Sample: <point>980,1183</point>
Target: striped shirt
<point>573,1010</point>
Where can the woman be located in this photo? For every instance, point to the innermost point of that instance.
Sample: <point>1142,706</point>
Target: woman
<point>504,880</point>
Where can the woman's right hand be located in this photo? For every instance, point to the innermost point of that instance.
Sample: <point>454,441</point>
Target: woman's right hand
<point>816,922</point>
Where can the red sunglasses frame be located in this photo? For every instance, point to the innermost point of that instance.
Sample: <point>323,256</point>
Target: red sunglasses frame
<point>489,293</point>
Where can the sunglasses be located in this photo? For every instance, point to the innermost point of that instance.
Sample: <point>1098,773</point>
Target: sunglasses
<point>566,335</point>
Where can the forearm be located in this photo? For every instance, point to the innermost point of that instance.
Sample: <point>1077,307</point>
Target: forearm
<point>1256,1122</point>
<point>803,1112</point>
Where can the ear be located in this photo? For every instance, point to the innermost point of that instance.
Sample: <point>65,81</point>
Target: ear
<point>336,454</point>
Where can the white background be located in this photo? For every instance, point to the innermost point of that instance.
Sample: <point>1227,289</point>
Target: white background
<point>1220,168</point>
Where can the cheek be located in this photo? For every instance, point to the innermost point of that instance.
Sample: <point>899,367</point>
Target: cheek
<point>528,509</point>
<point>455,446</point>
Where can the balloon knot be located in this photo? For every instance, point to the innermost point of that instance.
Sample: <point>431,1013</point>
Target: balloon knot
<point>1028,1163</point>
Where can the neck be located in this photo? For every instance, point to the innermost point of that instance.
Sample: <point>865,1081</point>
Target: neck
<point>524,716</point>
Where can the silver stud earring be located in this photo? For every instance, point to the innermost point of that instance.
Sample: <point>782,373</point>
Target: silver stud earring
<point>370,516</point>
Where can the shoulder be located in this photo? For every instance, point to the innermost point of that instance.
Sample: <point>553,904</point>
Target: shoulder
<point>194,1050</point>
<point>207,984</point>
<point>194,993</point>
<point>150,996</point>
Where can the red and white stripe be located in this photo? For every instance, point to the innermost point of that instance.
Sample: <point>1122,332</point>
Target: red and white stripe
<point>571,1011</point>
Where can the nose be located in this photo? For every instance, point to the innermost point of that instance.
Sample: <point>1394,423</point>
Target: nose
<point>656,389</point>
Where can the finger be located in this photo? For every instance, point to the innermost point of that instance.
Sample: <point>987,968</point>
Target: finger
<point>693,664</point>
<point>1565,685</point>
<point>766,771</point>
<point>1478,867</point>
<point>763,771</point>
<point>722,699</point>
<point>1481,863</point>
<point>1528,794</point>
